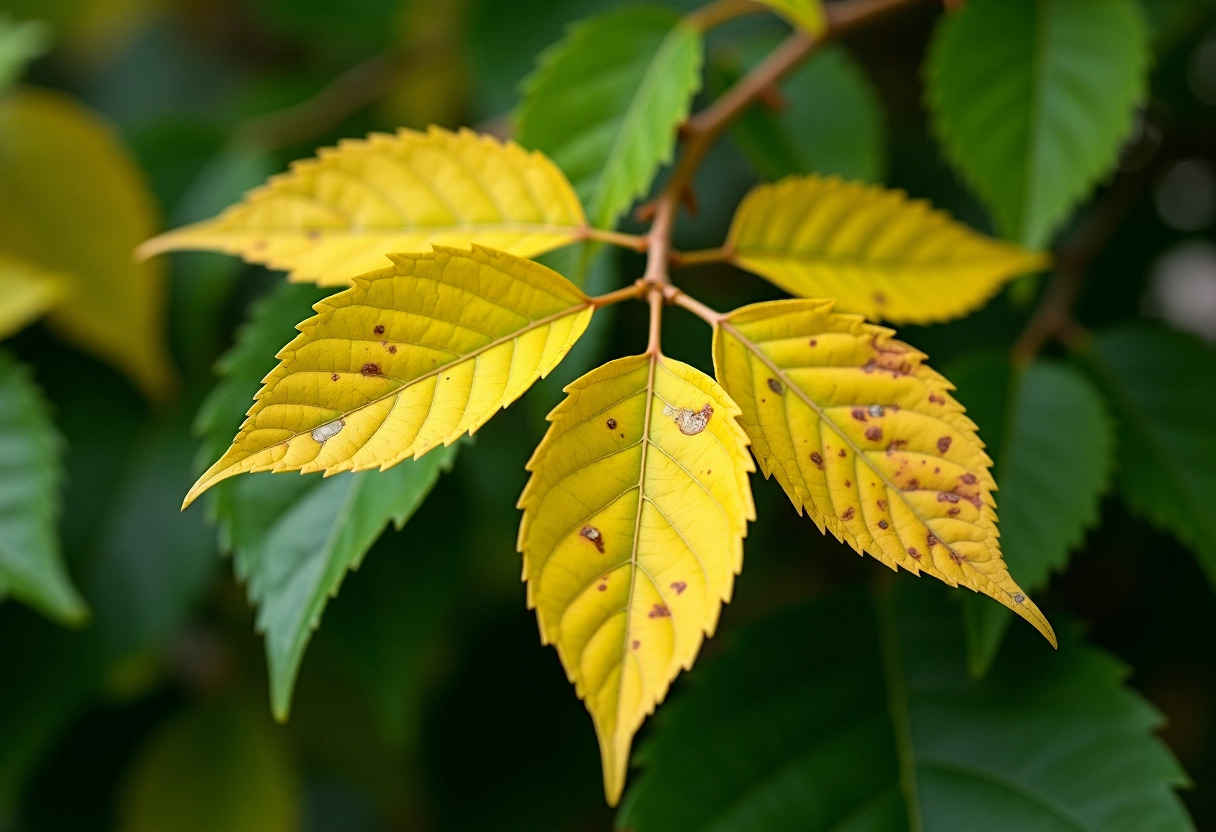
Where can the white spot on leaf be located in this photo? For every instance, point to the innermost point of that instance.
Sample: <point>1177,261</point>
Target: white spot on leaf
<point>328,430</point>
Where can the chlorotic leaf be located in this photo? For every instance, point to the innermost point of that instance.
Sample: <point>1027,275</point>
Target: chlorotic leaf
<point>1032,102</point>
<point>73,203</point>
<point>879,253</point>
<point>606,103</point>
<point>31,565</point>
<point>294,538</point>
<point>852,714</point>
<point>215,766</point>
<point>409,358</point>
<point>27,292</point>
<point>804,14</point>
<point>862,434</point>
<point>340,213</point>
<point>632,535</point>
<point>1159,384</point>
<point>830,122</point>
<point>1048,430</point>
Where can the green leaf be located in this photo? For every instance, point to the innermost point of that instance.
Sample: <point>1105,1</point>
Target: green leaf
<point>1160,386</point>
<point>1053,442</point>
<point>294,538</point>
<point>218,766</point>
<point>1032,100</point>
<point>828,121</point>
<point>20,42</point>
<point>805,14</point>
<point>848,714</point>
<point>31,564</point>
<point>606,103</point>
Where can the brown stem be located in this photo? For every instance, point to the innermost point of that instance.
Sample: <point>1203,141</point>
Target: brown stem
<point>654,295</point>
<point>631,292</point>
<point>633,242</point>
<point>710,316</point>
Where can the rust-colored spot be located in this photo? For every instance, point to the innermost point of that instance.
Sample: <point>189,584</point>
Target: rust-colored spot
<point>659,611</point>
<point>935,399</point>
<point>882,505</point>
<point>635,644</point>
<point>847,514</point>
<point>313,234</point>
<point>679,587</point>
<point>602,587</point>
<point>593,534</point>
<point>859,414</point>
<point>370,369</point>
<point>937,469</point>
<point>379,330</point>
<point>969,479</point>
<point>954,512</point>
<point>913,485</point>
<point>392,349</point>
<point>611,424</point>
<point>947,497</point>
<point>848,483</point>
<point>776,386</point>
<point>1019,598</point>
<point>943,444</point>
<point>956,557</point>
<point>894,445</point>
<point>882,524</point>
<point>843,453</point>
<point>912,550</point>
<point>880,298</point>
<point>814,342</point>
<point>690,422</point>
<point>817,458</point>
<point>874,433</point>
<point>932,540</point>
<point>334,377</point>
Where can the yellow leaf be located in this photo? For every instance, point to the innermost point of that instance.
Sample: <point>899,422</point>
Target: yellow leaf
<point>410,357</point>
<point>805,14</point>
<point>73,203</point>
<point>865,436</point>
<point>26,293</point>
<point>632,535</point>
<point>338,214</point>
<point>877,252</point>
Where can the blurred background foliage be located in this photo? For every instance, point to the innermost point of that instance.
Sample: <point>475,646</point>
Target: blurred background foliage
<point>425,700</point>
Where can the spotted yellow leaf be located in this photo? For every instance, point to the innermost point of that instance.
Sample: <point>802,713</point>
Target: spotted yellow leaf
<point>73,203</point>
<point>27,292</point>
<point>861,433</point>
<point>338,214</point>
<point>632,535</point>
<point>877,252</point>
<point>805,14</point>
<point>410,357</point>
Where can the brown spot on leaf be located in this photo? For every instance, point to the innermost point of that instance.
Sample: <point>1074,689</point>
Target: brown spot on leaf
<point>913,485</point>
<point>882,524</point>
<point>334,377</point>
<point>817,458</point>
<point>882,505</point>
<point>679,587</point>
<point>847,514</point>
<point>379,330</point>
<point>859,414</point>
<point>635,644</point>
<point>943,444</point>
<point>932,540</point>
<point>935,399</point>
<point>954,512</point>
<point>690,422</point>
<point>947,497</point>
<point>843,453</point>
<point>956,557</point>
<point>370,369</point>
<point>593,534</point>
<point>602,587</point>
<point>814,343</point>
<point>659,611</point>
<point>914,552</point>
<point>880,298</point>
<point>1019,598</point>
<point>611,424</point>
<point>874,433</point>
<point>848,483</point>
<point>313,234</point>
<point>969,479</point>
<point>776,386</point>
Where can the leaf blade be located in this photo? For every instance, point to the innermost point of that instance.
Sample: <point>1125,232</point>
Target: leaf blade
<point>367,369</point>
<point>1066,78</point>
<point>807,15</point>
<point>332,216</point>
<point>867,438</point>
<point>634,72</point>
<point>31,563</point>
<point>27,292</point>
<point>634,425</point>
<point>880,254</point>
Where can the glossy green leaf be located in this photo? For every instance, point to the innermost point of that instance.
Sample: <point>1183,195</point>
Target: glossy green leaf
<point>31,565</point>
<point>294,538</point>
<point>1032,100</point>
<point>219,766</point>
<point>1053,442</point>
<point>605,104</point>
<point>828,120</point>
<point>1160,385</point>
<point>858,714</point>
